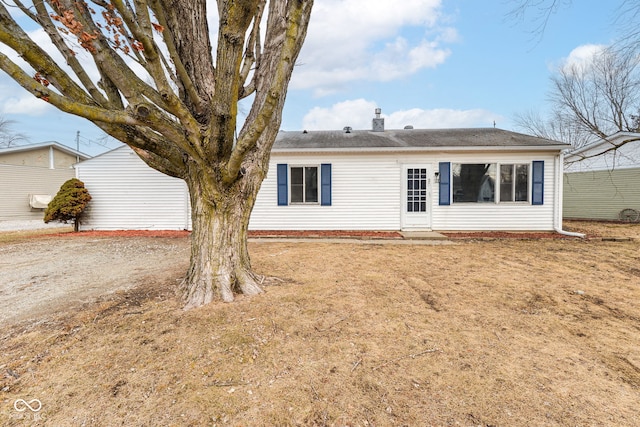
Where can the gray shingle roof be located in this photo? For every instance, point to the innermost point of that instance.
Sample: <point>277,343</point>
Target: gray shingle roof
<point>404,139</point>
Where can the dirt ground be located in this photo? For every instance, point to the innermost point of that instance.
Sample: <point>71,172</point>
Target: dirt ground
<point>483,331</point>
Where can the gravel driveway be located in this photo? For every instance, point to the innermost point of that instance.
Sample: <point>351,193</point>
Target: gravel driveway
<point>47,275</point>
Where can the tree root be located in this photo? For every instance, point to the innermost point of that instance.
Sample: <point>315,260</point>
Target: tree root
<point>223,287</point>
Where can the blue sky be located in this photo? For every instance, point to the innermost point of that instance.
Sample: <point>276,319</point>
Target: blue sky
<point>426,63</point>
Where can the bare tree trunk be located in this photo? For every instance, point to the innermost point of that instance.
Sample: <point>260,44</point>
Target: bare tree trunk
<point>220,265</point>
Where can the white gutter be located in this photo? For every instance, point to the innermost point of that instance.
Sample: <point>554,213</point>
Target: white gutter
<point>557,217</point>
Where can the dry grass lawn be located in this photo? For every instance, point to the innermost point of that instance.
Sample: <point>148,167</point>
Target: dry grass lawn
<point>503,332</point>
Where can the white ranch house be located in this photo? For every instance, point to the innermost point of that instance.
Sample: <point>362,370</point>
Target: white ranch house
<point>409,179</point>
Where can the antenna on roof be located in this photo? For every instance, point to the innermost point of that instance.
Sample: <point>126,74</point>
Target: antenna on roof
<point>494,124</point>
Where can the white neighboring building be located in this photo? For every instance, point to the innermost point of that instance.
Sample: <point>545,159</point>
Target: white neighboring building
<point>126,194</point>
<point>602,179</point>
<point>437,179</point>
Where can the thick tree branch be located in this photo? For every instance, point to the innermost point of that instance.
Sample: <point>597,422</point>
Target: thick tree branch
<point>182,77</point>
<point>252,51</point>
<point>193,52</point>
<point>235,18</point>
<point>44,19</point>
<point>142,28</point>
<point>14,37</point>
<point>161,156</point>
<point>283,43</point>
<point>88,111</point>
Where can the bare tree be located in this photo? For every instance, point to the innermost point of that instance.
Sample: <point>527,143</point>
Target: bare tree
<point>542,11</point>
<point>556,126</point>
<point>591,100</point>
<point>600,96</point>
<point>146,74</point>
<point>7,136</point>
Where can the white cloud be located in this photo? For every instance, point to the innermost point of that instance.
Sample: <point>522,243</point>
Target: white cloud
<point>441,118</point>
<point>358,114</point>
<point>581,57</point>
<point>376,40</point>
<point>24,103</point>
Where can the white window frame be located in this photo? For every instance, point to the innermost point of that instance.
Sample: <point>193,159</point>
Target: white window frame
<point>513,184</point>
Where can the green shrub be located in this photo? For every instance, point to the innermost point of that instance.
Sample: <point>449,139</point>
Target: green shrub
<point>69,203</point>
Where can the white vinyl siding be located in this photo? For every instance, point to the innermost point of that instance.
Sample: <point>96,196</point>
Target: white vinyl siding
<point>499,216</point>
<point>365,195</point>
<point>127,194</point>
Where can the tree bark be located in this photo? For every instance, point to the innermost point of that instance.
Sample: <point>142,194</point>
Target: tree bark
<point>220,266</point>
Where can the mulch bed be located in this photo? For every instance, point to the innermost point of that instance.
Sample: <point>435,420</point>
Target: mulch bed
<point>350,234</point>
<point>327,234</point>
<point>506,235</point>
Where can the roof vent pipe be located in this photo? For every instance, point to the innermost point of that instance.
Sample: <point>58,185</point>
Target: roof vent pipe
<point>347,129</point>
<point>408,127</point>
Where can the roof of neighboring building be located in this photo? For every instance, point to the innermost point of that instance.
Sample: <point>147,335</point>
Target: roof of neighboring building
<point>412,139</point>
<point>38,146</point>
<point>612,141</point>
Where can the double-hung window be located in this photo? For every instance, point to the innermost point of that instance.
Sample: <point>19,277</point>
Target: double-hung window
<point>514,183</point>
<point>304,184</point>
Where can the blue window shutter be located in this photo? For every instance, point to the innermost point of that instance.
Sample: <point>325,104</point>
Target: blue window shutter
<point>325,184</point>
<point>445,183</point>
<point>537,183</point>
<point>283,196</point>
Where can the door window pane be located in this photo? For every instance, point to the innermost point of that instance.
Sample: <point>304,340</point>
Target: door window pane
<point>417,190</point>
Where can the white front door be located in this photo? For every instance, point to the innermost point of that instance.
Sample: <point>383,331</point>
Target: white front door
<point>416,196</point>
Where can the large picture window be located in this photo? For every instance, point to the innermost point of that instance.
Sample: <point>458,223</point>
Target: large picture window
<point>473,183</point>
<point>304,184</point>
<point>491,183</point>
<point>477,182</point>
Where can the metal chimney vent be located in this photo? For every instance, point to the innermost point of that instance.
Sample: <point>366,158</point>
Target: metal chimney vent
<point>347,129</point>
<point>408,127</point>
<point>378,122</point>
